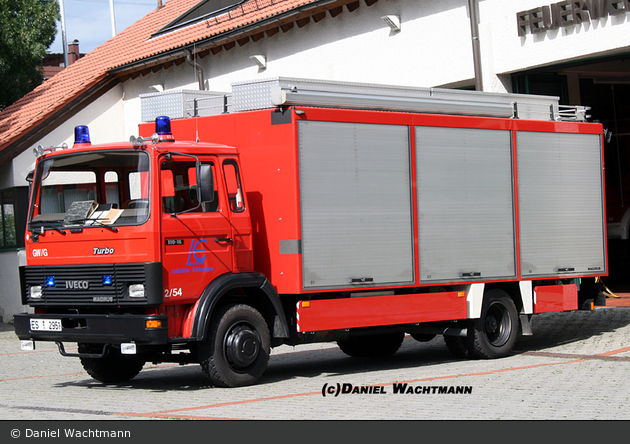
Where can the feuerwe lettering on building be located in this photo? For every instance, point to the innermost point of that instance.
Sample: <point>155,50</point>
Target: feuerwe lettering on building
<point>567,13</point>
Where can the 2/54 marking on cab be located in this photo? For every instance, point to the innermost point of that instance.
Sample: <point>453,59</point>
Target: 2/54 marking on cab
<point>172,292</point>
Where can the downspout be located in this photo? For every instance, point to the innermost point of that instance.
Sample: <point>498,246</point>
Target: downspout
<point>64,43</point>
<point>474,31</point>
<point>191,62</point>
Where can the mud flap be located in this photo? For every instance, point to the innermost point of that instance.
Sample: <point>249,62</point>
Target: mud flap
<point>526,324</point>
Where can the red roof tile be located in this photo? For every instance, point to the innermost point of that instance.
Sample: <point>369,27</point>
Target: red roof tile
<point>131,45</point>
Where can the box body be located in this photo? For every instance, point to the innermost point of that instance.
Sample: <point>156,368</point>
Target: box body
<point>353,199</point>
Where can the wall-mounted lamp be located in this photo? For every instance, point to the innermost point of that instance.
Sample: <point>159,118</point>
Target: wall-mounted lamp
<point>393,21</point>
<point>159,87</point>
<point>259,60</point>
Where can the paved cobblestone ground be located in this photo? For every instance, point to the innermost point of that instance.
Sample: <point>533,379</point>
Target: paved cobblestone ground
<point>575,367</point>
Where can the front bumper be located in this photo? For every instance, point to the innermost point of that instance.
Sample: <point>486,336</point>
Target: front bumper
<point>95,328</point>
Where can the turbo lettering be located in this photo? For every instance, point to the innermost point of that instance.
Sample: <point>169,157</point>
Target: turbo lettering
<point>105,250</point>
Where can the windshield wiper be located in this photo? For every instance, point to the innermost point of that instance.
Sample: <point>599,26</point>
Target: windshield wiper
<point>44,226</point>
<point>94,223</point>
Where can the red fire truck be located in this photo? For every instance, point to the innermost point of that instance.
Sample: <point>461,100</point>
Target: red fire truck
<point>306,211</point>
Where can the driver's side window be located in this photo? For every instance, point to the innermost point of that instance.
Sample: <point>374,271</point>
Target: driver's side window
<point>179,188</point>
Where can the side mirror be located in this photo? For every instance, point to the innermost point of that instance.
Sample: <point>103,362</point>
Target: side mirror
<point>607,135</point>
<point>205,183</point>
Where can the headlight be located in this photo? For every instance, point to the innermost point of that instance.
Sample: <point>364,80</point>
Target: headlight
<point>136,291</point>
<point>36,291</point>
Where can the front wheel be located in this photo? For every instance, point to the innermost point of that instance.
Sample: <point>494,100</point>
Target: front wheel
<point>236,350</point>
<point>494,334</point>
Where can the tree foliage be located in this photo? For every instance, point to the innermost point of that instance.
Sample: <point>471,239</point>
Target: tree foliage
<point>27,29</point>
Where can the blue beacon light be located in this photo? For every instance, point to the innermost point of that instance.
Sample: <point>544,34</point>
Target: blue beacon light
<point>163,125</point>
<point>50,281</point>
<point>107,279</point>
<point>163,128</point>
<point>81,134</point>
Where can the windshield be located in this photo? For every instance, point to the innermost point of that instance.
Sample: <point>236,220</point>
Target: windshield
<point>99,188</point>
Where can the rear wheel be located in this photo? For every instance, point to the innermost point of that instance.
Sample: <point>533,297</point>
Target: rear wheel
<point>494,334</point>
<point>236,350</point>
<point>114,367</point>
<point>372,346</point>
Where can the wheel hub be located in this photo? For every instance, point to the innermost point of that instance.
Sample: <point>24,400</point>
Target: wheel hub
<point>498,324</point>
<point>491,325</point>
<point>242,346</point>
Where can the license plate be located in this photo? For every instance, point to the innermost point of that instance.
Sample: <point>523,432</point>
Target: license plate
<point>45,324</point>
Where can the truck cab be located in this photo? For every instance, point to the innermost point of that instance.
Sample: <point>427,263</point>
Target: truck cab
<point>122,242</point>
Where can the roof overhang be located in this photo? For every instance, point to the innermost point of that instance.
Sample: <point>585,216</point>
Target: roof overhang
<point>65,112</point>
<point>299,16</point>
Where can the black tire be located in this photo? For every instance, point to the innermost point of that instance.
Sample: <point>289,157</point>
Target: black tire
<point>377,346</point>
<point>457,346</point>
<point>422,337</point>
<point>113,368</point>
<point>494,334</point>
<point>235,352</point>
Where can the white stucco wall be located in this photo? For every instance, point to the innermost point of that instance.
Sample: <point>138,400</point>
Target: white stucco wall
<point>104,117</point>
<point>433,48</point>
<point>504,52</point>
<point>359,46</point>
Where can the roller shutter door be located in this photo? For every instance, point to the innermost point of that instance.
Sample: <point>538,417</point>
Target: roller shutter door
<point>560,204</point>
<point>355,197</point>
<point>465,204</point>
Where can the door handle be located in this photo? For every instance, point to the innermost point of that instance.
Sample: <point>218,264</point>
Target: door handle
<point>470,274</point>
<point>223,239</point>
<point>364,280</point>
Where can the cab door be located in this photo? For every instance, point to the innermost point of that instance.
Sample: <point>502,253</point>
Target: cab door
<point>196,238</point>
<point>239,215</point>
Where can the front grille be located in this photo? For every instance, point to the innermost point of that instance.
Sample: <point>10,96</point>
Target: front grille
<point>83,284</point>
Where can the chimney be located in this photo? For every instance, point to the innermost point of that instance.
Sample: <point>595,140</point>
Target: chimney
<point>73,52</point>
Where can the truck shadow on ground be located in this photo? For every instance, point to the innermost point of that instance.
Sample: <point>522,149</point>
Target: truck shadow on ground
<point>334,363</point>
<point>282,367</point>
<point>550,330</point>
<point>562,328</point>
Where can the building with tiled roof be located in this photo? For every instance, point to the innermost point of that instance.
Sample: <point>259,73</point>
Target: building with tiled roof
<point>512,46</point>
<point>54,63</point>
<point>131,54</point>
